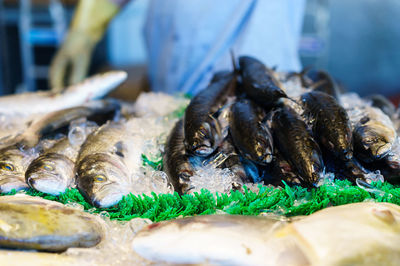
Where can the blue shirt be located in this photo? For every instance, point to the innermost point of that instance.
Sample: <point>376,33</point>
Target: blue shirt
<point>187,41</point>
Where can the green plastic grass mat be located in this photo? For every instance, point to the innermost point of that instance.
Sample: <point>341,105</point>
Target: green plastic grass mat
<point>287,201</point>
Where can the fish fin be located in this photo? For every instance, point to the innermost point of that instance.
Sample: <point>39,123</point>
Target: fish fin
<point>120,149</point>
<point>234,64</point>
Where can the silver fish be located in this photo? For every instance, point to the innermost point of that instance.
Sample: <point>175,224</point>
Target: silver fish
<point>53,171</point>
<point>45,101</point>
<point>105,162</point>
<point>34,223</point>
<point>13,163</point>
<point>322,238</point>
<point>374,135</point>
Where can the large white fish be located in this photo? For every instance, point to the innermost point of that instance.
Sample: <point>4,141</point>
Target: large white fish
<point>354,234</point>
<point>40,102</point>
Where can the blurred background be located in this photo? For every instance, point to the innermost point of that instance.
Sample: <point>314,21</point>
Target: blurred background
<point>356,41</point>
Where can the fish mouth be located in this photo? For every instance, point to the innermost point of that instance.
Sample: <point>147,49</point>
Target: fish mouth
<point>268,158</point>
<point>109,200</point>
<point>10,182</point>
<point>49,184</point>
<point>383,150</point>
<point>203,151</point>
<point>347,155</point>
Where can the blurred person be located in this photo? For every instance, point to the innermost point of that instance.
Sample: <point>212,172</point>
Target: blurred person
<point>187,41</point>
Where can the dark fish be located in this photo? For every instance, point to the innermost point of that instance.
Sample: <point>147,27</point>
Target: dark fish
<point>383,103</point>
<point>348,169</point>
<point>176,160</point>
<point>250,135</point>
<point>297,145</point>
<point>220,75</point>
<point>330,123</point>
<point>202,131</point>
<point>280,169</point>
<point>259,82</point>
<point>324,82</point>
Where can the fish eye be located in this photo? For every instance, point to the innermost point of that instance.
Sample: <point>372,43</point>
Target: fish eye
<point>48,167</point>
<point>7,167</point>
<point>99,178</point>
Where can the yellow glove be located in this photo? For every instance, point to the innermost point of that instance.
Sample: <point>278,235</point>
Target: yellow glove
<point>87,28</point>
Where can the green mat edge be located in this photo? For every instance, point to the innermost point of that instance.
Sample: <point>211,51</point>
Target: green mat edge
<point>285,200</point>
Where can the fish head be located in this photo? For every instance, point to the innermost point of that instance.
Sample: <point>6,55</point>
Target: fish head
<point>102,179</point>
<point>12,169</point>
<point>341,144</point>
<point>373,140</point>
<point>206,138</point>
<point>263,148</point>
<point>314,167</point>
<point>278,93</point>
<point>51,173</point>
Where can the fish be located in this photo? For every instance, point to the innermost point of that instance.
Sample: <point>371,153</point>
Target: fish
<point>374,135</point>
<point>259,82</point>
<point>346,169</point>
<point>383,103</point>
<point>321,238</point>
<point>106,163</point>
<point>43,102</point>
<point>280,169</point>
<point>13,164</point>
<point>177,163</point>
<point>250,134</point>
<point>56,120</point>
<point>330,123</point>
<point>235,240</point>
<point>202,131</point>
<point>297,145</point>
<point>324,82</point>
<point>33,223</point>
<point>54,170</point>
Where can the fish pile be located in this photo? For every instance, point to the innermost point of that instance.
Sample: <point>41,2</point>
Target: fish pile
<point>271,127</point>
<point>95,145</point>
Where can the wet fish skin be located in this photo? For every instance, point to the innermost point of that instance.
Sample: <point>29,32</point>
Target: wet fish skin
<point>383,103</point>
<point>348,169</point>
<point>236,240</point>
<point>374,135</point>
<point>259,82</point>
<point>44,102</point>
<point>13,163</point>
<point>105,164</point>
<point>33,223</point>
<point>177,164</point>
<point>297,145</point>
<point>310,240</point>
<point>324,82</point>
<point>202,131</point>
<point>330,123</point>
<point>279,170</point>
<point>250,135</point>
<point>54,170</point>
